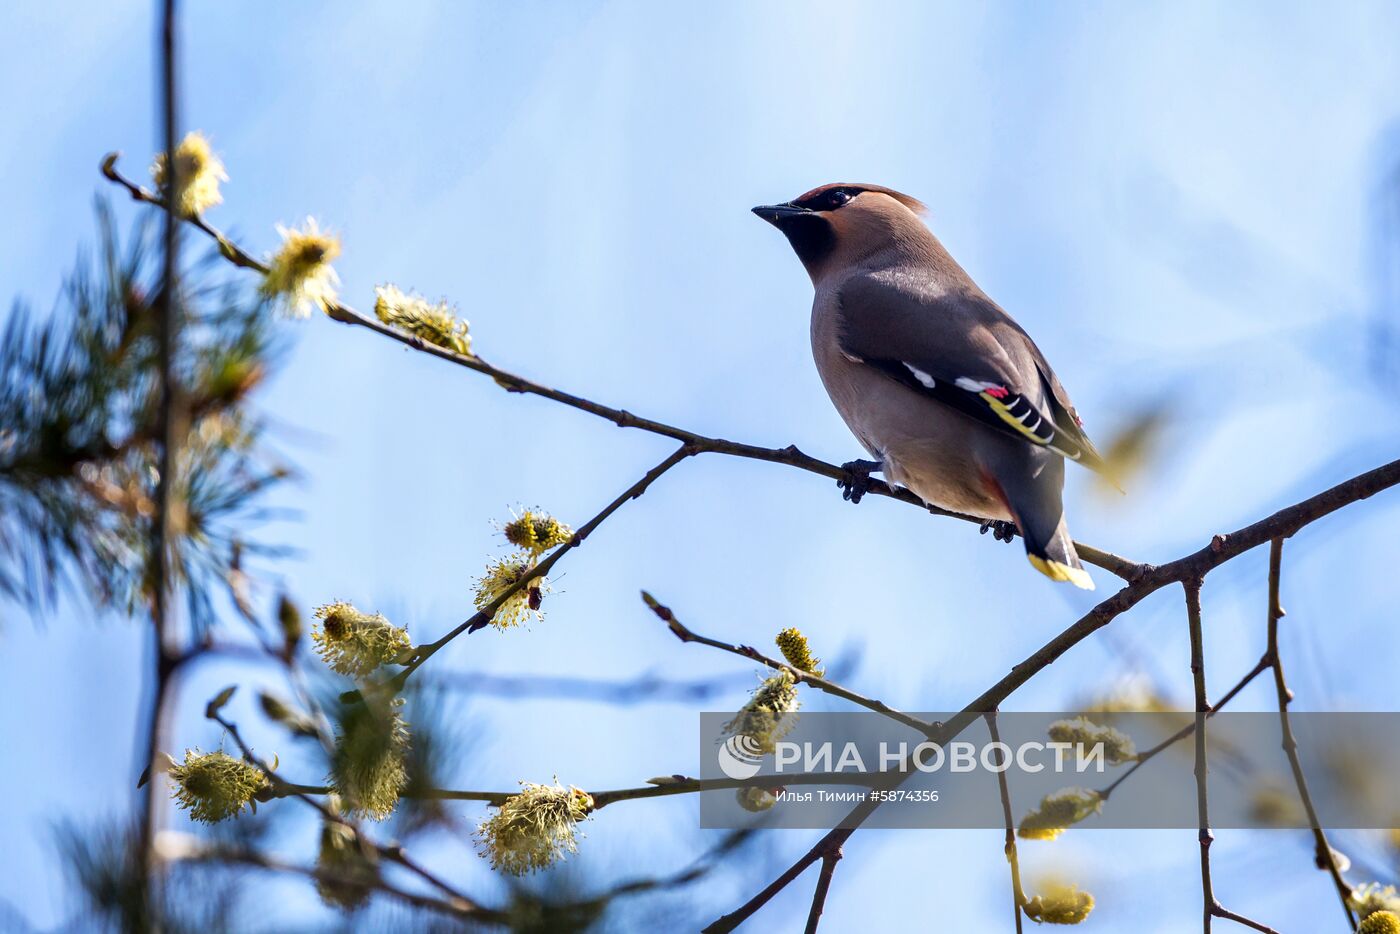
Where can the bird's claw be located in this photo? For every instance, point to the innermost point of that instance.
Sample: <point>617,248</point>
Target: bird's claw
<point>1001,530</point>
<point>856,483</point>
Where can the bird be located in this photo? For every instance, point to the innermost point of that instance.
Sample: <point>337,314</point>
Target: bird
<point>947,393</point>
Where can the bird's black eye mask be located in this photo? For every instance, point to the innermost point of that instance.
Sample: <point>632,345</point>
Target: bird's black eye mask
<point>810,233</point>
<point>828,200</point>
<point>806,221</point>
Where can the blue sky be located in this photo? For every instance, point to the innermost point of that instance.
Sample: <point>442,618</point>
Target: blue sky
<point>1179,201</point>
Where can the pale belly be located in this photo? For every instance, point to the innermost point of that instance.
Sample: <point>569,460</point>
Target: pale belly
<point>947,479</point>
<point>936,453</point>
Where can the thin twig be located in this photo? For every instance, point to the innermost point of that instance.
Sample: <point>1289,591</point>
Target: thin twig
<point>834,839</point>
<point>483,617</point>
<point>1198,677</point>
<point>1148,754</point>
<point>318,874</point>
<point>394,854</point>
<point>790,455</point>
<point>1220,911</point>
<point>662,788</point>
<point>647,686</point>
<point>814,915</point>
<point>684,634</point>
<point>1324,856</point>
<point>1221,549</point>
<point>1210,905</point>
<point>1018,895</point>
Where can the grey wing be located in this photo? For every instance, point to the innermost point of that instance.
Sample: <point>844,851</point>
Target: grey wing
<point>960,349</point>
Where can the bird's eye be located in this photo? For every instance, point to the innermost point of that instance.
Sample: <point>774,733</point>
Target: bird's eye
<point>837,198</point>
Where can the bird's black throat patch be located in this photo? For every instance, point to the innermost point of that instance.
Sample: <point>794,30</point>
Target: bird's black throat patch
<point>811,237</point>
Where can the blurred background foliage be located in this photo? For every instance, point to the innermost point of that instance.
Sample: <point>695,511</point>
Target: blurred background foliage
<point>79,401</point>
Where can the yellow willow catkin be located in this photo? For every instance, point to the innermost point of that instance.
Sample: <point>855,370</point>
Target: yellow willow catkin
<point>434,323</point>
<point>1380,922</point>
<point>536,532</point>
<point>214,786</point>
<point>198,173</point>
<point>368,765</point>
<point>523,606</point>
<point>1058,811</point>
<point>534,829</point>
<point>354,643</point>
<point>1059,904</point>
<point>793,644</point>
<point>767,717</point>
<point>300,272</point>
<point>1118,747</point>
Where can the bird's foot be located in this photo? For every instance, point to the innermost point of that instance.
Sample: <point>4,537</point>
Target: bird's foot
<point>856,483</point>
<point>1001,530</point>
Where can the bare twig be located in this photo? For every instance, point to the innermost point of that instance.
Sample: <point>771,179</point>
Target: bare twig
<point>1324,856</point>
<point>483,617</point>
<point>833,840</point>
<point>814,915</point>
<point>262,861</point>
<point>1198,677</point>
<point>394,854</point>
<point>665,788</point>
<point>700,444</point>
<point>1221,549</point>
<point>806,677</point>
<point>1210,905</point>
<point>1148,754</point>
<point>1221,911</point>
<point>1018,895</point>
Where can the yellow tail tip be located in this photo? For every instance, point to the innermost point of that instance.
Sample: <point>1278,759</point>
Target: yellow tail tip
<point>1058,571</point>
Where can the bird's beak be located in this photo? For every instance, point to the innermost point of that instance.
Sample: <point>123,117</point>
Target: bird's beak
<point>776,214</point>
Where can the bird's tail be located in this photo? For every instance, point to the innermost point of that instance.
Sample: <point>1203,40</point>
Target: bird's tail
<point>1057,559</point>
<point>1041,520</point>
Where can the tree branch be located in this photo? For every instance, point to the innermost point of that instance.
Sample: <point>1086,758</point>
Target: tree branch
<point>660,788</point>
<point>814,915</point>
<point>262,861</point>
<point>1147,755</point>
<point>1324,856</point>
<point>790,455</point>
<point>1142,579</point>
<point>1018,895</point>
<point>167,427</point>
<point>483,617</point>
<point>1198,677</point>
<point>834,839</point>
<point>394,854</point>
<point>1150,579</point>
<point>805,677</point>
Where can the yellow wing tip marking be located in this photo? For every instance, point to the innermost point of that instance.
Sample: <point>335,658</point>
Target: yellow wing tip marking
<point>1058,571</point>
<point>1004,413</point>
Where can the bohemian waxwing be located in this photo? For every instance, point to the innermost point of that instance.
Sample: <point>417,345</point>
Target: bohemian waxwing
<point>946,392</point>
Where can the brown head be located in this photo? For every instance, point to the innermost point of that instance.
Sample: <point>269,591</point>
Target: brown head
<point>840,225</point>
